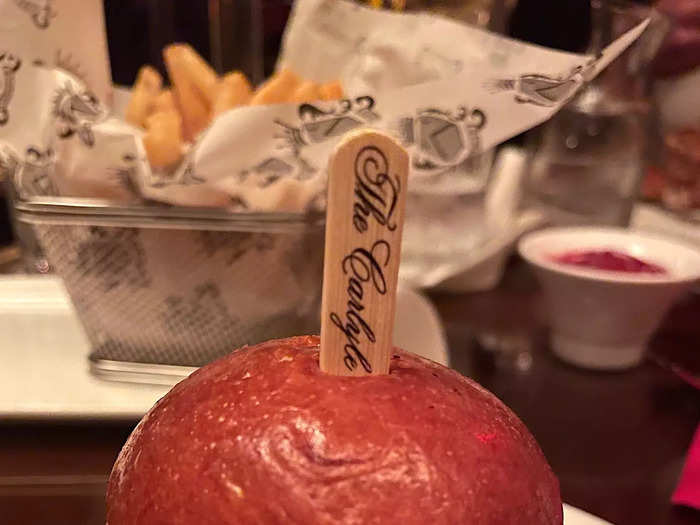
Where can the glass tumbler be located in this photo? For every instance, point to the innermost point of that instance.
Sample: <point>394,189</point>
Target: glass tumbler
<point>586,163</point>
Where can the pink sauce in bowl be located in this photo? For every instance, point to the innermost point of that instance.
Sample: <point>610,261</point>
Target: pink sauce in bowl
<point>609,260</point>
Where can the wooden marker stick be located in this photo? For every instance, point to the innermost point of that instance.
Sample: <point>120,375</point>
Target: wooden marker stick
<point>367,177</point>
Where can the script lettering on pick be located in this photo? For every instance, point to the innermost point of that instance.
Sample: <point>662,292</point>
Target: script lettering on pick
<point>363,239</point>
<point>376,192</point>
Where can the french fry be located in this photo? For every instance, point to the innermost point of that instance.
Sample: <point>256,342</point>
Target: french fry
<point>143,94</point>
<point>168,117</point>
<point>307,91</point>
<point>192,105</point>
<point>200,73</point>
<point>177,115</point>
<point>331,90</point>
<point>163,139</point>
<point>233,90</point>
<point>164,101</point>
<point>277,89</point>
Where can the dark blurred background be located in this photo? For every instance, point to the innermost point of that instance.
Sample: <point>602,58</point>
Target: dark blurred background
<point>138,29</point>
<point>241,34</point>
<point>226,32</point>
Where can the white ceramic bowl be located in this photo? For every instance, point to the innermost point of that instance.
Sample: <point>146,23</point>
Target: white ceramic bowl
<point>603,319</point>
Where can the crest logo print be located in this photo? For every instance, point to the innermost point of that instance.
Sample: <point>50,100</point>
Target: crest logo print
<point>318,124</point>
<point>440,140</point>
<point>9,65</point>
<point>545,90</point>
<point>40,11</point>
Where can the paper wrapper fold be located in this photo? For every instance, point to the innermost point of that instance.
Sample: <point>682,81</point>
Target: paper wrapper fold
<point>448,91</point>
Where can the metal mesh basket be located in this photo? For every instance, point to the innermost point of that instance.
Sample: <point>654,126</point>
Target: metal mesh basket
<point>181,287</point>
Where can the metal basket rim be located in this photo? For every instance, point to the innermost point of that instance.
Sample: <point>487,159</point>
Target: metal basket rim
<point>81,211</point>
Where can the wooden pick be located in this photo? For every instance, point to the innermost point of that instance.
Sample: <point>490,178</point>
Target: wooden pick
<point>367,178</point>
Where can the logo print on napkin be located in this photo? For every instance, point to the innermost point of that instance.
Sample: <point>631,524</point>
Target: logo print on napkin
<point>76,111</point>
<point>318,124</point>
<point>40,11</point>
<point>31,176</point>
<point>186,176</point>
<point>126,173</point>
<point>9,163</point>
<point>543,90</point>
<point>272,169</point>
<point>9,64</point>
<point>34,176</point>
<point>442,140</point>
<point>64,61</point>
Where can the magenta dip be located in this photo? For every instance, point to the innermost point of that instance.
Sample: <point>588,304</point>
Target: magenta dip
<point>608,260</point>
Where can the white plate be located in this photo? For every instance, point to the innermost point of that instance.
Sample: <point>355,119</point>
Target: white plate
<point>574,516</point>
<point>45,370</point>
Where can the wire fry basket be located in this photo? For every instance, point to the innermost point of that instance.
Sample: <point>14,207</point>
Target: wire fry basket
<point>179,287</point>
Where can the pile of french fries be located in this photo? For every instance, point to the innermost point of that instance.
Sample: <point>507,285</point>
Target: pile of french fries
<point>174,116</point>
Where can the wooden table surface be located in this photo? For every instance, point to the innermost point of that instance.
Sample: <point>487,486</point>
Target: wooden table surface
<point>617,441</point>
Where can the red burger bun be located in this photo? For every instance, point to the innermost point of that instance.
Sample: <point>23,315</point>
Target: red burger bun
<point>262,436</point>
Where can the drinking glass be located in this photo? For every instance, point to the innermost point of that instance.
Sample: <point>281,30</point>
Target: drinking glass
<point>587,162</point>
